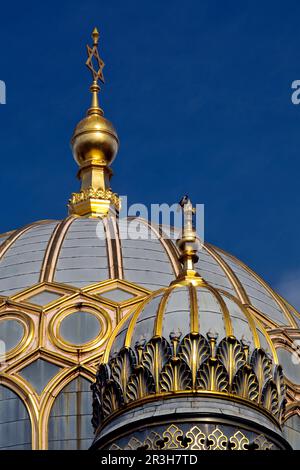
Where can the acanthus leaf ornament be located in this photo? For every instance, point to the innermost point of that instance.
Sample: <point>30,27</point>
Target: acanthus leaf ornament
<point>121,367</point>
<point>156,369</point>
<point>176,375</point>
<point>262,367</point>
<point>231,353</point>
<point>112,398</point>
<point>245,384</point>
<point>194,349</point>
<point>155,355</point>
<point>212,376</point>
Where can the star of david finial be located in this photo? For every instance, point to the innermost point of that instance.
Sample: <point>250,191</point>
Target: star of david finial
<point>94,62</point>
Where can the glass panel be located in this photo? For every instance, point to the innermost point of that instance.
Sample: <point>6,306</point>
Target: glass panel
<point>118,295</point>
<point>43,298</point>
<point>15,427</point>
<point>80,328</point>
<point>11,333</point>
<point>70,418</point>
<point>39,373</point>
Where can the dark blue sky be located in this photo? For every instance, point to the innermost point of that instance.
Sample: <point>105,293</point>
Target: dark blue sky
<point>200,93</point>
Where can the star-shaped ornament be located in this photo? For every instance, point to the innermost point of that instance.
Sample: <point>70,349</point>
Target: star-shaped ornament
<point>94,63</point>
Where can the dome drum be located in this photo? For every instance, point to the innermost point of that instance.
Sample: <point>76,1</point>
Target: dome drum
<point>190,423</point>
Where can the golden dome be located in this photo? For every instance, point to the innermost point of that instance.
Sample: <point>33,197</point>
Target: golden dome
<point>94,141</point>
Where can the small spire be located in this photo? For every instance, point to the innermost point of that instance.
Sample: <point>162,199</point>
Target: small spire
<point>188,245</point>
<point>95,64</point>
<point>94,144</point>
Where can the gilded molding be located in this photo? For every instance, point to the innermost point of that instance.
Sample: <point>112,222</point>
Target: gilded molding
<point>53,250</point>
<point>28,333</point>
<point>102,316</point>
<point>236,284</point>
<point>83,203</point>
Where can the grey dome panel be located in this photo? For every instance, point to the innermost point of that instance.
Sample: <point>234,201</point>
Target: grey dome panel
<point>144,327</point>
<point>239,322</point>
<point>177,313</point>
<point>257,293</point>
<point>79,327</point>
<point>210,313</point>
<point>43,298</point>
<point>11,333</point>
<point>83,256</point>
<point>120,338</point>
<point>21,265</point>
<point>211,271</point>
<point>145,261</point>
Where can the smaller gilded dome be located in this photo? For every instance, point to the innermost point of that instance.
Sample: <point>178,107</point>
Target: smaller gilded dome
<point>189,341</point>
<point>185,309</point>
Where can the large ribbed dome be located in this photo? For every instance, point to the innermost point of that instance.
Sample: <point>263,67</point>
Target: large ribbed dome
<point>79,252</point>
<point>73,281</point>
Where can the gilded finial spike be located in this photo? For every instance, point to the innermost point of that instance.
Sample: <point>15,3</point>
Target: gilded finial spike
<point>95,144</point>
<point>95,36</point>
<point>188,245</point>
<point>95,64</point>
